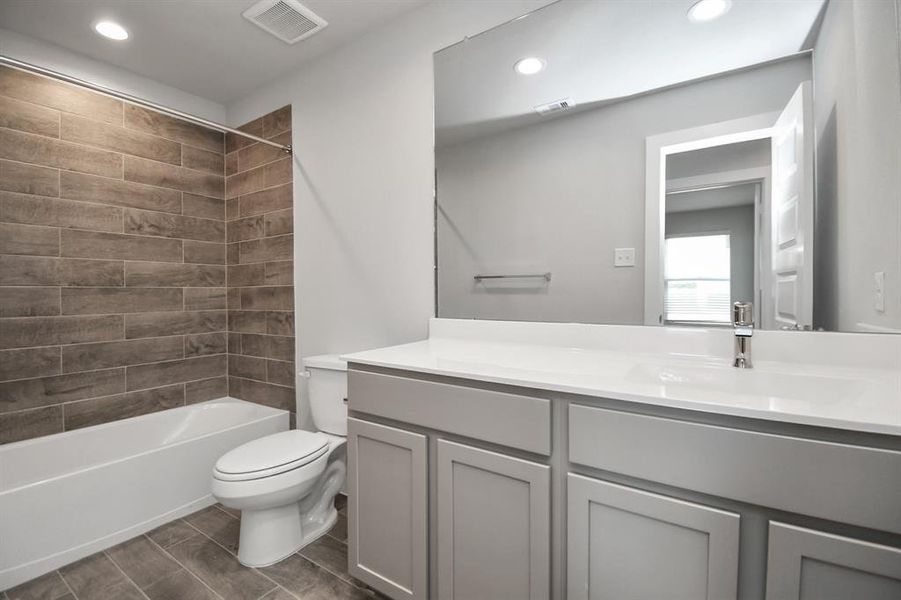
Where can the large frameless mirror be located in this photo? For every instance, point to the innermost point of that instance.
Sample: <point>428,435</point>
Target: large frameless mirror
<point>653,162</point>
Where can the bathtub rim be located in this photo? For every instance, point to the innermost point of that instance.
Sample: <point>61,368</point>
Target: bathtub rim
<point>268,413</point>
<point>271,419</point>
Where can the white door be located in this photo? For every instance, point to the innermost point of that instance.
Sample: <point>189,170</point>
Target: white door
<point>791,217</point>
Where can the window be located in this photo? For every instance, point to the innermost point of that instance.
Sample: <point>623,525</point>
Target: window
<point>697,279</point>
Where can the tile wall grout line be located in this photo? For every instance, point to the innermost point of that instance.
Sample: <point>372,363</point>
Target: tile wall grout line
<point>128,181</point>
<point>127,391</point>
<point>281,157</point>
<point>122,207</point>
<point>117,340</point>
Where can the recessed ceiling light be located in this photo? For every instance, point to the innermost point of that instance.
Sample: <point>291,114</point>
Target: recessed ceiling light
<point>529,66</point>
<point>708,10</point>
<point>111,30</point>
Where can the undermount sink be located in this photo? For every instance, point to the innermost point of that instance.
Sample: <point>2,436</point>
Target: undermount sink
<point>772,385</point>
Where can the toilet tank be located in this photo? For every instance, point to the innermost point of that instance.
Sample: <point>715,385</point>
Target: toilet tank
<point>327,387</point>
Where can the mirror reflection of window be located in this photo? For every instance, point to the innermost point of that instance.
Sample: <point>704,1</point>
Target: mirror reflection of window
<point>698,279</point>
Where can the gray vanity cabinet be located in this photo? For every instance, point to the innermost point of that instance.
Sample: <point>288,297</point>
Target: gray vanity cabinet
<point>493,525</point>
<point>387,487</point>
<point>804,564</point>
<point>626,543</point>
<point>476,491</point>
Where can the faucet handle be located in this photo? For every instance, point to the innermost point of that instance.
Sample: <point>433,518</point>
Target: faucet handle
<point>743,314</point>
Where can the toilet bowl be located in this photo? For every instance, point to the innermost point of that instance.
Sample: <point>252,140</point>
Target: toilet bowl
<point>284,484</point>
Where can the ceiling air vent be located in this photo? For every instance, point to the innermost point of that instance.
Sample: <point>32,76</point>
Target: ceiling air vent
<point>554,107</point>
<point>288,20</point>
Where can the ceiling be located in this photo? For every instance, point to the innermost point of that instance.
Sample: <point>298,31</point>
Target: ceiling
<point>718,159</point>
<point>603,51</point>
<point>742,194</point>
<point>204,47</point>
<point>707,167</point>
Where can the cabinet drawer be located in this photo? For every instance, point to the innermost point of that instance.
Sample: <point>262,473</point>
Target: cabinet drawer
<point>839,482</point>
<point>511,420</point>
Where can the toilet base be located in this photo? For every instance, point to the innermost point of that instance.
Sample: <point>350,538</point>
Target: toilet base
<point>269,535</point>
<point>273,534</point>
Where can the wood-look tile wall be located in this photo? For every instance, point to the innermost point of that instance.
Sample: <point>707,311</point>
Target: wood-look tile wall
<point>260,241</point>
<point>113,298</point>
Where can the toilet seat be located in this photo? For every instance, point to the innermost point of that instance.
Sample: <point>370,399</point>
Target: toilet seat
<point>271,455</point>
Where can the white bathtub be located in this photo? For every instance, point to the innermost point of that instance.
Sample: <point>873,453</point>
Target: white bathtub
<point>65,496</point>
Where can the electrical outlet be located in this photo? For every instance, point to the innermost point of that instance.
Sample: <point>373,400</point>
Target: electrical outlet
<point>879,291</point>
<point>624,257</point>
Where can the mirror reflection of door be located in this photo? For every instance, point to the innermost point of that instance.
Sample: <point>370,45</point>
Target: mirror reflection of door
<point>758,195</point>
<point>791,216</point>
<point>714,234</point>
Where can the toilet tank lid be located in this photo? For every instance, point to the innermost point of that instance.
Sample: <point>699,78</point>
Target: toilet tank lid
<point>332,362</point>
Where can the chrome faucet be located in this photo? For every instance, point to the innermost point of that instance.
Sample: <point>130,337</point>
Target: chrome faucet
<point>743,324</point>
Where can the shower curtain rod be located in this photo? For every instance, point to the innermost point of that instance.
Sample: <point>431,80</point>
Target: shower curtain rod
<point>24,66</point>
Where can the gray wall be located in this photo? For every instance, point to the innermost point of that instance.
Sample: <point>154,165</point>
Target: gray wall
<point>560,196</point>
<point>858,120</point>
<point>736,220</point>
<point>364,176</point>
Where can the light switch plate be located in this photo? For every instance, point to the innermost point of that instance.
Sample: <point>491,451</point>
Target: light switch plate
<point>879,291</point>
<point>624,257</point>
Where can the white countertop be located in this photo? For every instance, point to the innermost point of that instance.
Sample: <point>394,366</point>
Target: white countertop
<point>851,398</point>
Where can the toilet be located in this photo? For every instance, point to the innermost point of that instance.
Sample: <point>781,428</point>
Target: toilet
<point>285,484</point>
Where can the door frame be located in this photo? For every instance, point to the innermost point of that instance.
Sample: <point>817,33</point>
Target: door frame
<point>760,177</point>
<point>657,148</point>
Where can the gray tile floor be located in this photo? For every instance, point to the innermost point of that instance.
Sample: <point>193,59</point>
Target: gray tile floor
<point>194,559</point>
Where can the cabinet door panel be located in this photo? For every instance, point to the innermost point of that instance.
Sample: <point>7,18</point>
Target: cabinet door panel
<point>388,509</point>
<point>804,564</point>
<point>629,544</point>
<point>493,525</point>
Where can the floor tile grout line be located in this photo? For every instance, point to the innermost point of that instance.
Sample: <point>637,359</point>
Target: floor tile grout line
<point>330,572</point>
<point>155,581</point>
<point>65,583</point>
<point>225,511</point>
<point>339,540</point>
<point>254,569</point>
<point>286,590</point>
<point>124,574</point>
<point>182,565</point>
